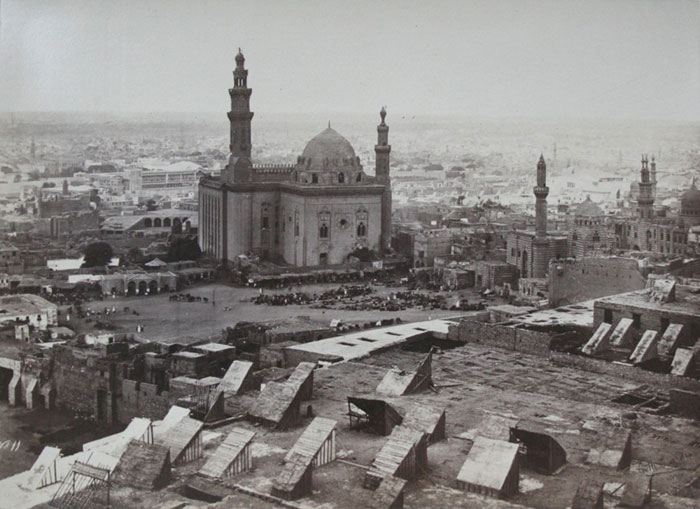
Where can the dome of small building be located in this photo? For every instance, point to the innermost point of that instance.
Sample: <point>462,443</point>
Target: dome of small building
<point>690,199</point>
<point>328,151</point>
<point>588,208</point>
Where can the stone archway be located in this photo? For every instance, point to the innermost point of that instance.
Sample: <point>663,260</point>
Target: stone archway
<point>157,222</point>
<point>148,222</point>
<point>166,222</point>
<point>131,288</point>
<point>143,287</point>
<point>153,287</point>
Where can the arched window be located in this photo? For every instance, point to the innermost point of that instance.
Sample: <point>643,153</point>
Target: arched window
<point>323,231</point>
<point>314,178</point>
<point>341,178</point>
<point>166,222</point>
<point>156,222</point>
<point>359,177</point>
<point>361,230</point>
<point>296,223</point>
<point>596,237</point>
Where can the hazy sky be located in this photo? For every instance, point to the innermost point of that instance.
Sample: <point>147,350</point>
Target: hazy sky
<point>607,58</point>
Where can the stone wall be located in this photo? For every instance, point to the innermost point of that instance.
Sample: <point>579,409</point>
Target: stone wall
<point>501,336</point>
<point>573,281</point>
<point>140,399</point>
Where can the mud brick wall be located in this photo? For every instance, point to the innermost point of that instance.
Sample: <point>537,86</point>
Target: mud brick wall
<point>685,403</point>
<point>650,378</point>
<point>574,281</point>
<point>501,336</point>
<point>532,342</point>
<point>140,399</point>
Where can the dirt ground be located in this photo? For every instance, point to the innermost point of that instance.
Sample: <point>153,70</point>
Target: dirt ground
<point>171,321</point>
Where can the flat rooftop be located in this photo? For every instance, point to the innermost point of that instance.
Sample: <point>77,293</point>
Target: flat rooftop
<point>686,301</point>
<point>23,303</point>
<point>360,344</point>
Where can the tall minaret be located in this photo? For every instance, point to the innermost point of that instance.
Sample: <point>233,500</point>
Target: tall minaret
<point>382,150</point>
<point>645,200</point>
<point>540,255</point>
<point>240,114</point>
<point>541,191</point>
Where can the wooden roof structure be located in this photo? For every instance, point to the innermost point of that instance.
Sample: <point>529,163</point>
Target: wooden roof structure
<point>542,452</point>
<point>428,419</point>
<point>389,494</point>
<point>491,468</point>
<point>400,456</point>
<point>277,405</point>
<point>144,466</point>
<point>179,437</point>
<point>295,479</point>
<point>398,382</point>
<point>599,341</point>
<point>231,457</point>
<point>376,414</point>
<point>238,378</point>
<point>303,378</point>
<point>669,339</point>
<point>646,348</point>
<point>316,442</point>
<point>622,335</point>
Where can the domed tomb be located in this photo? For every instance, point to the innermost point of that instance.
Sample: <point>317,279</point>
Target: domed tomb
<point>328,159</point>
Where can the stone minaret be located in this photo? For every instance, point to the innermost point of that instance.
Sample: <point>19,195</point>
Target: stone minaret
<point>645,200</point>
<point>540,253</point>
<point>382,150</point>
<point>240,114</point>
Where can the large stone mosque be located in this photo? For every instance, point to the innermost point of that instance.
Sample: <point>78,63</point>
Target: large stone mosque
<point>314,212</point>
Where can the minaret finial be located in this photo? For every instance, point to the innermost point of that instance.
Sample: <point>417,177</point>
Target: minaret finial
<point>382,114</point>
<point>329,124</point>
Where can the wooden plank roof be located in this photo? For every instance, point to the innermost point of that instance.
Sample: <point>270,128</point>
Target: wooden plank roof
<point>227,452</point>
<point>488,463</point>
<point>388,491</point>
<point>301,373</point>
<point>423,418</point>
<point>179,436</point>
<point>235,376</point>
<point>399,444</point>
<point>273,401</point>
<point>313,437</point>
<point>292,473</point>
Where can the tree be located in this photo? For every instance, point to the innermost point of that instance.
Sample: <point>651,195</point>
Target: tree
<point>97,254</point>
<point>135,256</point>
<point>176,228</point>
<point>184,248</point>
<point>151,205</point>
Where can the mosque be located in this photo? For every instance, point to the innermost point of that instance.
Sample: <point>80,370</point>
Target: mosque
<point>312,213</point>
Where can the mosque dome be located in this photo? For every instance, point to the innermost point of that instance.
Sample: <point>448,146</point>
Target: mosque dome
<point>691,198</point>
<point>690,201</point>
<point>588,208</point>
<point>328,151</point>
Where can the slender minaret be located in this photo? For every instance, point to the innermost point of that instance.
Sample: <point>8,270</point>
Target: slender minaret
<point>645,200</point>
<point>382,150</point>
<point>240,115</point>
<point>540,256</point>
<point>541,191</point>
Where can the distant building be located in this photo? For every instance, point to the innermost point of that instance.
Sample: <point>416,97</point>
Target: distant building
<point>315,212</point>
<point>179,176</point>
<point>11,261</point>
<point>531,251</point>
<point>28,308</point>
